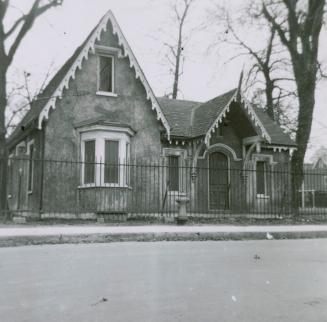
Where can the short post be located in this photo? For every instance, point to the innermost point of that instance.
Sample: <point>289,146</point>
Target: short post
<point>182,201</point>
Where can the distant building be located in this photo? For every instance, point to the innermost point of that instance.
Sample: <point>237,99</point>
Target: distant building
<point>314,188</point>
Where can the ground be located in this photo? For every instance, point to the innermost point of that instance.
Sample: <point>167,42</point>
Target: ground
<point>265,280</point>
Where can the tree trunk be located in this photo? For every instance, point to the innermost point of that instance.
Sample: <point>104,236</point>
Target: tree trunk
<point>178,57</point>
<point>3,145</point>
<point>269,97</point>
<point>306,92</point>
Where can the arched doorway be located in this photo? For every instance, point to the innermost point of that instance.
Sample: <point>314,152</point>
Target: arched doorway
<point>218,181</point>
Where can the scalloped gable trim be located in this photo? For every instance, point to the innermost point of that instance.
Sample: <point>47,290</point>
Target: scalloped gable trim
<point>250,111</point>
<point>84,54</point>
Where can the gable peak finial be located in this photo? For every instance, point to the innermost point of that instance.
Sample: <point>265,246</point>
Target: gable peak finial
<point>239,87</point>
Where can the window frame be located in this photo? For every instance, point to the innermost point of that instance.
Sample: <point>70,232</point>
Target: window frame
<point>95,163</point>
<point>101,134</point>
<point>264,172</point>
<point>269,161</point>
<point>325,181</point>
<point>31,166</point>
<point>178,169</point>
<point>181,154</point>
<point>118,164</point>
<point>10,175</point>
<point>21,144</point>
<point>99,91</point>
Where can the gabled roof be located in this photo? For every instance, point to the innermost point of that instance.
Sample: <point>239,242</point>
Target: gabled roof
<point>278,137</point>
<point>205,114</point>
<point>191,119</point>
<point>46,101</point>
<point>181,118</point>
<point>179,115</point>
<point>44,98</point>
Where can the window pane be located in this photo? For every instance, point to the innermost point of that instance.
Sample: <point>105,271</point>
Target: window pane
<point>111,162</point>
<point>30,167</point>
<point>105,83</point>
<point>127,164</point>
<point>173,176</point>
<point>261,178</point>
<point>89,166</point>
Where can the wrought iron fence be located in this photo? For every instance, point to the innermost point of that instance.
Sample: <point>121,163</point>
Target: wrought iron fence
<point>70,189</point>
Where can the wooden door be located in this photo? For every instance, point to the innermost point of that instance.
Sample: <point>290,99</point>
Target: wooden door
<point>218,181</point>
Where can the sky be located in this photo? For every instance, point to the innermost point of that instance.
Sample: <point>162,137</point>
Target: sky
<point>58,32</point>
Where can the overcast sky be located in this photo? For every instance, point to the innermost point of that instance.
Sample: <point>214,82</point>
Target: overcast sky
<point>57,33</point>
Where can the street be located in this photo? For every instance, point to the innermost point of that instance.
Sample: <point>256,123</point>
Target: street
<point>265,280</point>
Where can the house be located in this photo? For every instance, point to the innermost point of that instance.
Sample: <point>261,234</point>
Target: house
<point>314,187</point>
<point>98,140</point>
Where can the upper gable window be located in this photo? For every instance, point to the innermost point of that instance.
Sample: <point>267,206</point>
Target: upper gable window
<point>106,74</point>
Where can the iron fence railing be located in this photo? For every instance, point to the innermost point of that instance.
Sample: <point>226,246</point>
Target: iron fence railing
<point>153,189</point>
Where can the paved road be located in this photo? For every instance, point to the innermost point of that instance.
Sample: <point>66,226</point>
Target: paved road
<point>166,281</point>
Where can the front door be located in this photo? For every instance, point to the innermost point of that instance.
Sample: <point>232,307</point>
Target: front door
<point>218,181</point>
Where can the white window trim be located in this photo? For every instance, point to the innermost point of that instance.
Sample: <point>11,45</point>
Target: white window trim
<point>19,145</point>
<point>106,50</point>
<point>268,159</point>
<point>106,93</point>
<point>100,136</point>
<point>181,154</point>
<point>110,94</point>
<point>28,151</point>
<point>262,195</point>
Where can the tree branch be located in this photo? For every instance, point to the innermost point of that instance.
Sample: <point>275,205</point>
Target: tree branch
<point>281,32</point>
<point>14,26</point>
<point>35,11</point>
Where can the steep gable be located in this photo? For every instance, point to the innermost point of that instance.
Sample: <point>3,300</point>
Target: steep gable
<point>205,114</point>
<point>41,107</point>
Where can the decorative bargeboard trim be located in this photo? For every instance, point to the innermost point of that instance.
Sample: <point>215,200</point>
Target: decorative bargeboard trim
<point>90,46</point>
<point>250,111</point>
<point>279,148</point>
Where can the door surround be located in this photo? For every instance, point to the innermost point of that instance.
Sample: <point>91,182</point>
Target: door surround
<point>228,179</point>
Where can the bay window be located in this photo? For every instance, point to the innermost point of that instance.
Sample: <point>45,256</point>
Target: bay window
<point>89,161</point>
<point>111,160</point>
<point>105,153</point>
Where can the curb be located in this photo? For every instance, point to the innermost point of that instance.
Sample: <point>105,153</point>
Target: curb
<point>13,241</point>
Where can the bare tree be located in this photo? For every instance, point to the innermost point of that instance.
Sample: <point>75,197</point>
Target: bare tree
<point>21,97</point>
<point>180,10</point>
<point>14,36</point>
<point>269,67</point>
<point>298,25</point>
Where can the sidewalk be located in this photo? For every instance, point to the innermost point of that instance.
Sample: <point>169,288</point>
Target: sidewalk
<point>18,236</point>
